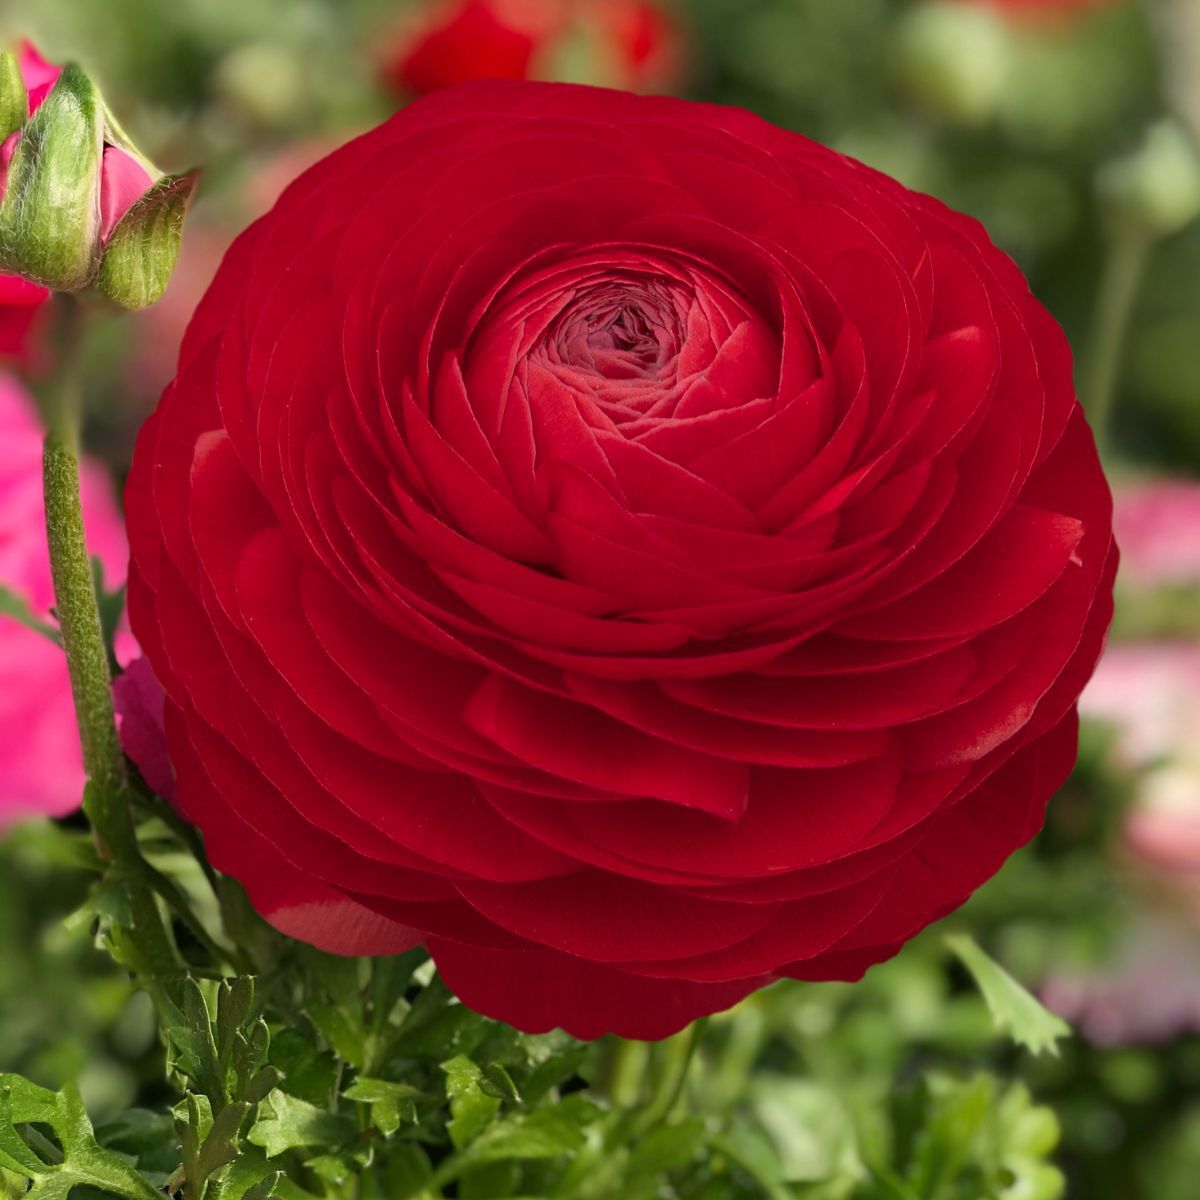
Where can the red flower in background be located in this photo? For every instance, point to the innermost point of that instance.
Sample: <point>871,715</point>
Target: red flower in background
<point>632,44</point>
<point>630,547</point>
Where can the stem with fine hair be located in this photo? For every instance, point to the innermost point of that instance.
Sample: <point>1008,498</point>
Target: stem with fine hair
<point>74,588</point>
<point>107,796</point>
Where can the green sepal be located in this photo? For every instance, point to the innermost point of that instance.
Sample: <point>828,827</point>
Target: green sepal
<point>14,99</point>
<point>50,216</point>
<point>143,249</point>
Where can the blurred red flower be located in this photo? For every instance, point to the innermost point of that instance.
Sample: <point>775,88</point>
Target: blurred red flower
<point>633,44</point>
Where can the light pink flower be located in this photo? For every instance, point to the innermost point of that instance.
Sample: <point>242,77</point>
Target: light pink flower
<point>1157,526</point>
<point>1150,691</point>
<point>40,765</point>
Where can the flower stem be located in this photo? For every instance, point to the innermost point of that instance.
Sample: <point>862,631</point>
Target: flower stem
<point>1124,268</point>
<point>106,797</point>
<point>74,588</point>
<point>672,1059</point>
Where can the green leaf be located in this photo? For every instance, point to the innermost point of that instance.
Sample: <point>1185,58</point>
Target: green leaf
<point>286,1123</point>
<point>472,1110</point>
<point>1013,1009</point>
<point>250,1177</point>
<point>85,1163</point>
<point>12,605</point>
<point>141,254</point>
<point>392,1104</point>
<point>552,1132</point>
<point>311,1074</point>
<point>49,218</point>
<point>111,606</point>
<point>957,1115</point>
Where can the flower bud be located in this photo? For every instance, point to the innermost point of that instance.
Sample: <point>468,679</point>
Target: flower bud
<point>1157,186</point>
<point>143,248</point>
<point>75,191</point>
<point>954,60</point>
<point>50,213</point>
<point>14,99</point>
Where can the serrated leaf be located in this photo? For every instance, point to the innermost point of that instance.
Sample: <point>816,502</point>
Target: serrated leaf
<point>143,249</point>
<point>85,1163</point>
<point>250,1177</point>
<point>552,1132</point>
<point>286,1123</point>
<point>496,1081</point>
<point>1027,1021</point>
<point>472,1110</point>
<point>311,1074</point>
<point>392,1104</point>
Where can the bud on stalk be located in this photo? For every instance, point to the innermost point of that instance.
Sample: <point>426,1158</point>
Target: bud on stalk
<point>80,206</point>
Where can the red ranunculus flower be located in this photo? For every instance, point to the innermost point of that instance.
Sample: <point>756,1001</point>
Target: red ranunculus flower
<point>627,546</point>
<point>624,43</point>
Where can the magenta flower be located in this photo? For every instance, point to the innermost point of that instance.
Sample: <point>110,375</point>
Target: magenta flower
<point>40,766</point>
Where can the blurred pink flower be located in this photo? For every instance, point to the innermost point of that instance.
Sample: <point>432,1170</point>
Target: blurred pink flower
<point>1149,993</point>
<point>1042,10</point>
<point>1157,526</point>
<point>40,766</point>
<point>1150,691</point>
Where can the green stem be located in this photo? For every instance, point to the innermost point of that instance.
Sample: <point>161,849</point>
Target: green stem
<point>74,589</point>
<point>624,1073</point>
<point>1129,251</point>
<point>672,1058</point>
<point>107,796</point>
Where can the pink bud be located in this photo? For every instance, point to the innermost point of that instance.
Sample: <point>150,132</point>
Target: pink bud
<point>123,181</point>
<point>38,74</point>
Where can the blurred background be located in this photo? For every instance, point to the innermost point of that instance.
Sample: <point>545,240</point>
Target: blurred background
<point>1070,128</point>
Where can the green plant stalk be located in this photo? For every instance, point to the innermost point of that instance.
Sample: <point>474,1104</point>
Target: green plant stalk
<point>1124,269</point>
<point>672,1059</point>
<point>106,799</point>
<point>74,589</point>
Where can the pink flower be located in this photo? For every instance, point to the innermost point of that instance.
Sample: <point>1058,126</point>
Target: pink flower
<point>140,703</point>
<point>1041,10</point>
<point>1150,691</point>
<point>1157,526</point>
<point>40,766</point>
